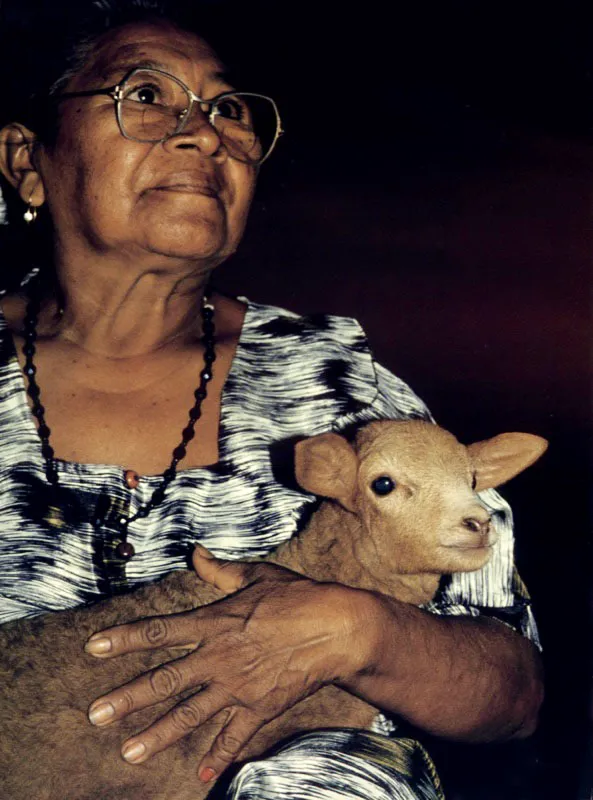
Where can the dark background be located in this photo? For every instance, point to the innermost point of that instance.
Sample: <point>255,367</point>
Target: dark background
<point>434,181</point>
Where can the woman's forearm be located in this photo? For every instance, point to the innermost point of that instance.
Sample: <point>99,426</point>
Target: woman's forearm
<point>278,637</point>
<point>467,678</point>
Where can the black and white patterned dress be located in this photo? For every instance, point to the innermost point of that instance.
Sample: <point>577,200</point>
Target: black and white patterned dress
<point>291,377</point>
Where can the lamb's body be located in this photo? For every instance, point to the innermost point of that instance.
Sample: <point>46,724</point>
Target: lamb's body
<point>48,749</point>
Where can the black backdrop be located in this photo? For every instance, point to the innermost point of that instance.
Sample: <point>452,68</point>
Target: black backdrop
<point>434,181</point>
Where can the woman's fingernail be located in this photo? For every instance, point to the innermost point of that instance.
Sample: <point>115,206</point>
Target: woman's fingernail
<point>134,752</point>
<point>101,714</point>
<point>202,551</point>
<point>98,644</point>
<point>207,774</point>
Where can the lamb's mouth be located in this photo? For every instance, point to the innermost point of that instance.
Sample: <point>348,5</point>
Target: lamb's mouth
<point>470,546</point>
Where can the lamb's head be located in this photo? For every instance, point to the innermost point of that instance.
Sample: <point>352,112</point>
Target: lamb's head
<point>413,487</point>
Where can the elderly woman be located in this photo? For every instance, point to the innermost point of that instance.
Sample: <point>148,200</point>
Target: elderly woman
<point>140,160</point>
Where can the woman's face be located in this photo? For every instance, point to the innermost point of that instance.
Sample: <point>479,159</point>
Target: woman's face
<point>185,197</point>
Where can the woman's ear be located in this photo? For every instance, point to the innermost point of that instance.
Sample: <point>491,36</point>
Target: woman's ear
<point>17,163</point>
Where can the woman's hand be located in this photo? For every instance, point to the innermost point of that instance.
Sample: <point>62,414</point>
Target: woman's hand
<point>277,639</point>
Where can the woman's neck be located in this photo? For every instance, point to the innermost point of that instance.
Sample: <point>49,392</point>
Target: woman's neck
<point>122,310</point>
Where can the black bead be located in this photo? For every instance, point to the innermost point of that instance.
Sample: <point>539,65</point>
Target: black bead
<point>44,431</point>
<point>179,452</point>
<point>188,434</point>
<point>200,394</point>
<point>29,348</point>
<point>47,451</point>
<point>158,496</point>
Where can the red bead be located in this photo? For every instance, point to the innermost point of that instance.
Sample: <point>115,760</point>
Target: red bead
<point>131,479</point>
<point>125,550</point>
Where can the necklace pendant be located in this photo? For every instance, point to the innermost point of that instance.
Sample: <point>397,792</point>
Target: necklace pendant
<point>125,550</point>
<point>131,479</point>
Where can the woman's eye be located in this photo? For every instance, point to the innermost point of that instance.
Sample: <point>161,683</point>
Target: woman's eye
<point>230,108</point>
<point>383,485</point>
<point>147,95</point>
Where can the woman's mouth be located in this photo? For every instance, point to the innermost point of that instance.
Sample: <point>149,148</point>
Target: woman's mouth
<point>188,188</point>
<point>188,183</point>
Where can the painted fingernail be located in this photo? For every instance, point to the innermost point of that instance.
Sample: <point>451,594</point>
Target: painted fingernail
<point>101,714</point>
<point>134,752</point>
<point>98,644</point>
<point>207,774</point>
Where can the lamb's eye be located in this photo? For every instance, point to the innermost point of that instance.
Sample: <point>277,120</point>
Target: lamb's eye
<point>474,481</point>
<point>382,485</point>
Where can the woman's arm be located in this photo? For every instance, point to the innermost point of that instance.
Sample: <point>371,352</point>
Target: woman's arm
<point>280,637</point>
<point>466,678</point>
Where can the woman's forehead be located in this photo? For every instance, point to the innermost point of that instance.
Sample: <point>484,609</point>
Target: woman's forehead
<point>150,44</point>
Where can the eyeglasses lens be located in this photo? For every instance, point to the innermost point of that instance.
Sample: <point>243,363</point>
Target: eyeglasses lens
<point>151,105</point>
<point>154,106</point>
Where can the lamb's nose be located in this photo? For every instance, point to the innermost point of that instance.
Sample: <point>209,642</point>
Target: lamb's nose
<point>477,525</point>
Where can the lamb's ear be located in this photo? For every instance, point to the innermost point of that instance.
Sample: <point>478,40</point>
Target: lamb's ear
<point>497,460</point>
<point>327,465</point>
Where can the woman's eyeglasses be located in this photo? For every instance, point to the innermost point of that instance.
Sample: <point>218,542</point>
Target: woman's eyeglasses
<point>152,106</point>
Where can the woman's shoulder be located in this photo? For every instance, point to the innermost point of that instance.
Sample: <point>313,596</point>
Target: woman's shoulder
<point>314,363</point>
<point>287,328</point>
<point>316,370</point>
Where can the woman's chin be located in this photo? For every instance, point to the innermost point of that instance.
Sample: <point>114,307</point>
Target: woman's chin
<point>188,239</point>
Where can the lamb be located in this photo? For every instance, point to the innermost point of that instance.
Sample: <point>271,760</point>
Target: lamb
<point>401,511</point>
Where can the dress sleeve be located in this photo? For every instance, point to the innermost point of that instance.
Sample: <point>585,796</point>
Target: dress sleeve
<point>496,590</point>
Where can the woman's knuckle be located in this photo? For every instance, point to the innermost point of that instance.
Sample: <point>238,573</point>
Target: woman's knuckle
<point>165,681</point>
<point>228,745</point>
<point>155,631</point>
<point>126,703</point>
<point>186,717</point>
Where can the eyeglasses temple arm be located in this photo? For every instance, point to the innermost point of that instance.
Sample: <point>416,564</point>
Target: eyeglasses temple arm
<point>110,91</point>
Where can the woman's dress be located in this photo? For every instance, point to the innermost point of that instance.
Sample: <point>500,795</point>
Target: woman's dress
<point>291,377</point>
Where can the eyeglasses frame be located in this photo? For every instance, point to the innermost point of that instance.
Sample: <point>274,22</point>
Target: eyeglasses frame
<point>115,92</point>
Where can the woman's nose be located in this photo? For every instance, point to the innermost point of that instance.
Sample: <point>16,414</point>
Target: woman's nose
<point>197,132</point>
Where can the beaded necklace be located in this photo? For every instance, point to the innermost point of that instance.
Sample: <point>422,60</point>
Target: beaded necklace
<point>124,550</point>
